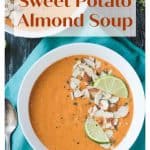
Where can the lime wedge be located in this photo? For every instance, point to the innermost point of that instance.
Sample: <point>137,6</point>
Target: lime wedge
<point>112,85</point>
<point>95,132</point>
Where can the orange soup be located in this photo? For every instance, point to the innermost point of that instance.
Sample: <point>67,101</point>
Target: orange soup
<point>8,22</point>
<point>58,115</point>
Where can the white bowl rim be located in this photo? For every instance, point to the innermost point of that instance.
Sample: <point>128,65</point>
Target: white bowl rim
<point>82,49</point>
<point>46,32</point>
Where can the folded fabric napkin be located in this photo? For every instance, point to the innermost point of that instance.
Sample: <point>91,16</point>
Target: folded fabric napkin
<point>130,52</point>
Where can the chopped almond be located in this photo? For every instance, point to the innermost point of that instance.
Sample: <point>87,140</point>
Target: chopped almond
<point>83,85</point>
<point>110,120</point>
<point>104,104</point>
<point>86,77</point>
<point>100,120</point>
<point>113,107</point>
<point>93,91</point>
<point>114,122</point>
<point>98,70</point>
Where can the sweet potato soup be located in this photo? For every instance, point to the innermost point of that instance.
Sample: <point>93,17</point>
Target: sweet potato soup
<point>64,96</point>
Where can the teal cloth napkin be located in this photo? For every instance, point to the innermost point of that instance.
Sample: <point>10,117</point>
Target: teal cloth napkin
<point>134,55</point>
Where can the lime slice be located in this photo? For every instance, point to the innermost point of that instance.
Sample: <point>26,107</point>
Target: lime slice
<point>112,85</point>
<point>95,132</point>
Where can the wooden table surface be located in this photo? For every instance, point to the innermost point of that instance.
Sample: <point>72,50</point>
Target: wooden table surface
<point>18,49</point>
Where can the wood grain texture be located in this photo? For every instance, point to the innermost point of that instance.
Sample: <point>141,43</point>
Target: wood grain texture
<point>139,40</point>
<point>16,52</point>
<point>18,49</point>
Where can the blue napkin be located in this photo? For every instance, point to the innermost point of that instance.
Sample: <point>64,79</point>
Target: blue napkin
<point>134,55</point>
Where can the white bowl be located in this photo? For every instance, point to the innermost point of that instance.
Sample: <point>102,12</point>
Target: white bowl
<point>45,32</point>
<point>78,49</point>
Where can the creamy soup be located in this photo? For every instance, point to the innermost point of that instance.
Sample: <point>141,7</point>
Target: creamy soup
<point>8,22</point>
<point>58,119</point>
